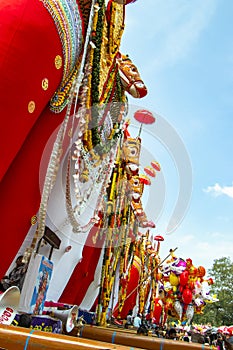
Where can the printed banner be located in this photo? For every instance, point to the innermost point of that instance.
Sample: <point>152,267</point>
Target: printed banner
<point>36,285</point>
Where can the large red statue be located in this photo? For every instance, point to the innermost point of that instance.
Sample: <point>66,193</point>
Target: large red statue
<point>42,44</point>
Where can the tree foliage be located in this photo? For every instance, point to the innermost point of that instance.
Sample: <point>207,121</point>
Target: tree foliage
<point>221,312</point>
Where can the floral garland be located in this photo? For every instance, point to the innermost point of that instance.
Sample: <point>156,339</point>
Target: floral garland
<point>112,84</point>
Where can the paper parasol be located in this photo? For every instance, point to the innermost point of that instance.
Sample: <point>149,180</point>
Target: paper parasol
<point>156,165</point>
<point>144,117</point>
<point>144,179</point>
<point>150,171</point>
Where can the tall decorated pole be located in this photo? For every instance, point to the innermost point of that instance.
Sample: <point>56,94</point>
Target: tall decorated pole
<point>154,273</point>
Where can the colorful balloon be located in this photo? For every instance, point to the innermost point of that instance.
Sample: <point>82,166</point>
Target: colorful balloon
<point>184,278</point>
<point>178,308</point>
<point>201,271</point>
<point>187,295</point>
<point>189,313</point>
<point>173,279</point>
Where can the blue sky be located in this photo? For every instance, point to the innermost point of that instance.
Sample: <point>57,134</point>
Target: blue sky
<point>184,52</point>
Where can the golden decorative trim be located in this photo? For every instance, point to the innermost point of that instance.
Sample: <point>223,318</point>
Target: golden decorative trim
<point>31,106</point>
<point>116,28</point>
<point>137,263</point>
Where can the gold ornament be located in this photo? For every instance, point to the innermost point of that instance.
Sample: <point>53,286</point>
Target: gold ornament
<point>31,107</point>
<point>45,84</point>
<point>58,62</point>
<point>33,220</point>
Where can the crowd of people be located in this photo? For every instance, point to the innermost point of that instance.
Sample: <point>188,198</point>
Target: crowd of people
<point>193,334</point>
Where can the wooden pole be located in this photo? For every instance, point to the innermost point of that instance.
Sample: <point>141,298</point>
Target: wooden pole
<point>132,339</point>
<point>19,338</point>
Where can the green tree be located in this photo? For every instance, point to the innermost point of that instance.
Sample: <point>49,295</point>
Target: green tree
<point>221,312</point>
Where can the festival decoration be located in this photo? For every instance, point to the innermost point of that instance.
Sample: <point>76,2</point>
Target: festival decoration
<point>130,78</point>
<point>150,171</point>
<point>144,117</point>
<point>186,291</point>
<point>86,87</point>
<point>144,179</point>
<point>155,165</point>
<point>125,206</point>
<point>84,68</point>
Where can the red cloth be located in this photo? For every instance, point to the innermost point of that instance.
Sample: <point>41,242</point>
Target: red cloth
<point>27,56</point>
<point>131,294</point>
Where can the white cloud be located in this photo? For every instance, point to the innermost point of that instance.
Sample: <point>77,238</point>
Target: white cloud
<point>218,190</point>
<point>216,235</point>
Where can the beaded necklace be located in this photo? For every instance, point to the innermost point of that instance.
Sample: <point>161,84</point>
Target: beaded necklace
<point>68,22</point>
